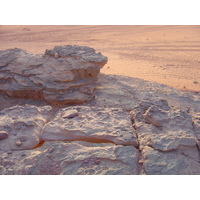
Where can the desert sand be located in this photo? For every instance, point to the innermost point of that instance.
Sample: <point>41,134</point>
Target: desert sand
<point>164,54</point>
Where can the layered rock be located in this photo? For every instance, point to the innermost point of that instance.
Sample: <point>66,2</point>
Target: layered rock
<point>62,75</point>
<point>71,159</point>
<point>161,134</point>
<point>20,126</point>
<point>91,124</point>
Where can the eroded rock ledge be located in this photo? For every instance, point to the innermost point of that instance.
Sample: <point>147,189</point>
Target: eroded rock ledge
<point>62,75</point>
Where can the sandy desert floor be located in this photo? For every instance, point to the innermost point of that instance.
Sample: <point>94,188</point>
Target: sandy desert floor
<point>164,54</point>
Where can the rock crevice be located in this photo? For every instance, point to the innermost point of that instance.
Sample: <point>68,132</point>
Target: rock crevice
<point>165,132</point>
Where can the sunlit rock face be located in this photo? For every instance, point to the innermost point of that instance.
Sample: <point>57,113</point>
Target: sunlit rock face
<point>63,75</point>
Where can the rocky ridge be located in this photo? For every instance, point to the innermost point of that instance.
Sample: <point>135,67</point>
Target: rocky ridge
<point>131,126</point>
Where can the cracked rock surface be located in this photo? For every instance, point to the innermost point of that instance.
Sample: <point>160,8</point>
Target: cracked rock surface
<point>124,126</point>
<point>169,163</point>
<point>71,158</point>
<point>20,126</point>
<point>91,124</point>
<point>167,139</point>
<point>62,75</point>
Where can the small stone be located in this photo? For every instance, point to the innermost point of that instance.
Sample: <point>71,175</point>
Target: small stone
<point>56,55</point>
<point>18,143</point>
<point>9,152</point>
<point>97,162</point>
<point>140,161</point>
<point>3,135</point>
<point>26,29</point>
<point>51,150</point>
<point>23,139</point>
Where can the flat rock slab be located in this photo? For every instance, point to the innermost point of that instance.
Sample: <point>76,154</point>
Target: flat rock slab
<point>21,125</point>
<point>63,75</point>
<point>71,158</point>
<point>169,163</point>
<point>91,124</point>
<point>125,92</point>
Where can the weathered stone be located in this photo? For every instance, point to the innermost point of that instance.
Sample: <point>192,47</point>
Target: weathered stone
<point>126,92</point>
<point>3,135</point>
<point>162,128</point>
<point>168,135</point>
<point>91,124</point>
<point>60,76</point>
<point>23,125</point>
<point>72,158</point>
<point>166,139</point>
<point>168,163</point>
<point>196,125</point>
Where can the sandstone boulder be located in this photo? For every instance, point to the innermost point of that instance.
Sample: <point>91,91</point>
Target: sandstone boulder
<point>20,126</point>
<point>91,124</point>
<point>62,75</point>
<point>71,158</point>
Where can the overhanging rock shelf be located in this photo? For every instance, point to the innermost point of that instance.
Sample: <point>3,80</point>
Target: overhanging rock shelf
<point>65,74</point>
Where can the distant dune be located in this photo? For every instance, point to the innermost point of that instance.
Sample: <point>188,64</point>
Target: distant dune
<point>164,54</point>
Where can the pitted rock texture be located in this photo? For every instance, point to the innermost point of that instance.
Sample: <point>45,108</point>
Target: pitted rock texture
<point>169,163</point>
<point>20,126</point>
<point>165,123</point>
<point>62,75</point>
<point>167,138</point>
<point>162,127</point>
<point>71,158</point>
<point>91,124</point>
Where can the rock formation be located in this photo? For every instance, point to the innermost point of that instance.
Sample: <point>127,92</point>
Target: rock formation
<point>20,126</point>
<point>130,126</point>
<point>93,124</point>
<point>71,158</point>
<point>60,76</point>
<point>167,139</point>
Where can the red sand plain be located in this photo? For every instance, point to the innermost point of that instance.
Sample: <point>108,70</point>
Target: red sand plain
<point>165,54</point>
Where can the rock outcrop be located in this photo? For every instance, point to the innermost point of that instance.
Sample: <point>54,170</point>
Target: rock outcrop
<point>71,158</point>
<point>167,139</point>
<point>130,126</point>
<point>91,124</point>
<point>62,75</point>
<point>126,92</point>
<point>20,126</point>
